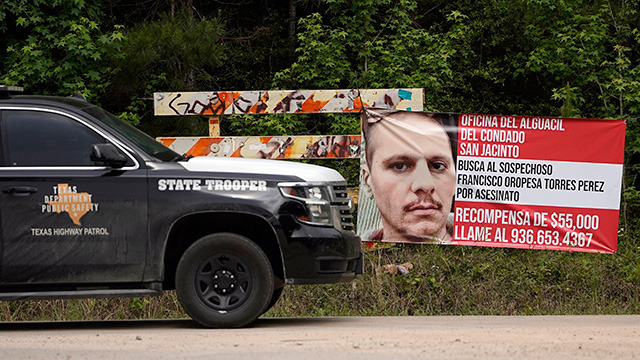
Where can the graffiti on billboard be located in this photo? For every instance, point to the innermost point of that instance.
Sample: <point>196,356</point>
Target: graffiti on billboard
<point>285,101</point>
<point>268,147</point>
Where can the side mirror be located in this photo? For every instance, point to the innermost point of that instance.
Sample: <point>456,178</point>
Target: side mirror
<point>108,155</point>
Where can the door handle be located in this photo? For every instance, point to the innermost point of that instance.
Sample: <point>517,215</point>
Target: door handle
<point>20,190</point>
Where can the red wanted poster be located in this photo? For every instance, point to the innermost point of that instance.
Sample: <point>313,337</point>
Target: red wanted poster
<point>538,182</point>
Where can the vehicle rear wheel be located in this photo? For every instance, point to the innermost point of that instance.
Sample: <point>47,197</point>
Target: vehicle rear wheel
<point>224,280</point>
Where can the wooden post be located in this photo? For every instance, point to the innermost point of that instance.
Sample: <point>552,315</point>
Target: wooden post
<point>214,126</point>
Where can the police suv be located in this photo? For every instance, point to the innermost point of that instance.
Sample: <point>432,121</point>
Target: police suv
<point>92,207</point>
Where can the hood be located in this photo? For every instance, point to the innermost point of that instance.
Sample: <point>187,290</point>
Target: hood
<point>307,172</point>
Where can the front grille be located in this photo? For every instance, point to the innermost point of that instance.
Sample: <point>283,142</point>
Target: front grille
<point>342,203</point>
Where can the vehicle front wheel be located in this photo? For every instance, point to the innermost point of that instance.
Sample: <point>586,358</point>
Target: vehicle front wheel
<point>224,280</point>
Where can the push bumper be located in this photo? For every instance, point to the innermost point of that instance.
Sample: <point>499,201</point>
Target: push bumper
<point>336,256</point>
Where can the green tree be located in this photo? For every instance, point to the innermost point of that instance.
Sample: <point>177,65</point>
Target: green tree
<point>239,47</point>
<point>374,44</point>
<point>588,51</point>
<point>456,50</point>
<point>57,47</point>
<point>174,53</point>
<point>365,44</point>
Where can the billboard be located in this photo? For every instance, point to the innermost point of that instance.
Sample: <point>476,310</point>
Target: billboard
<point>268,147</point>
<point>491,180</point>
<point>285,101</point>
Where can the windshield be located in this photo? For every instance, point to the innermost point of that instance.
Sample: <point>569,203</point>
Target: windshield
<point>145,142</point>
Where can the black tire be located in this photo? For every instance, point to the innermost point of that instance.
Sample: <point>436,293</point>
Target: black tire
<point>277,292</point>
<point>224,280</point>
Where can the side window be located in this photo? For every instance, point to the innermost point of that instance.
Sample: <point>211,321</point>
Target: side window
<point>35,138</point>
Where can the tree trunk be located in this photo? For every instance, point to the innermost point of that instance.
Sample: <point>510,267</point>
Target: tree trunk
<point>292,20</point>
<point>191,79</point>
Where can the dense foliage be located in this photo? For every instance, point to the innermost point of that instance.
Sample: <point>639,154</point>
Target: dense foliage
<point>542,57</point>
<point>575,58</point>
<point>57,47</point>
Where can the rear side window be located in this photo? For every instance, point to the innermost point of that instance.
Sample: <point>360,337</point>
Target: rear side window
<point>42,139</point>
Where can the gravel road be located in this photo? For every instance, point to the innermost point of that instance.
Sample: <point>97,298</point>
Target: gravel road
<point>333,338</point>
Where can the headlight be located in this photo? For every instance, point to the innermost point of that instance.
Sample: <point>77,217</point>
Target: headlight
<point>315,193</point>
<point>316,199</point>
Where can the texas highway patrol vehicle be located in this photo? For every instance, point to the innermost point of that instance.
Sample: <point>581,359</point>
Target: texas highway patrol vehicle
<point>92,207</point>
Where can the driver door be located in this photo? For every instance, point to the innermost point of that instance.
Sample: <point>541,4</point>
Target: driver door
<point>64,219</point>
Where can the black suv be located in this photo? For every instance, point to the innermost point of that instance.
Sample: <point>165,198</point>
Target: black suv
<point>92,207</point>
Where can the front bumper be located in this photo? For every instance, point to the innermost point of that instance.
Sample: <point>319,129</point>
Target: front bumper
<point>336,256</point>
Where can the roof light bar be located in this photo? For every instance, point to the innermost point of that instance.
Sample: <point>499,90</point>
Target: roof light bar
<point>6,90</point>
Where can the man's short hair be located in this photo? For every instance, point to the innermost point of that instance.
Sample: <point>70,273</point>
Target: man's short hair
<point>371,117</point>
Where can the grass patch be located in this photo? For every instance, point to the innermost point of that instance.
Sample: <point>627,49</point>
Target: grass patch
<point>459,280</point>
<point>445,280</point>
<point>161,307</point>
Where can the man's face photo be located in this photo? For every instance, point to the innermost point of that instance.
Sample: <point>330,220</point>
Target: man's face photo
<point>411,173</point>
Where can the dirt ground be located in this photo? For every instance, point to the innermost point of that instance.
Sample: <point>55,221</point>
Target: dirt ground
<point>465,337</point>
